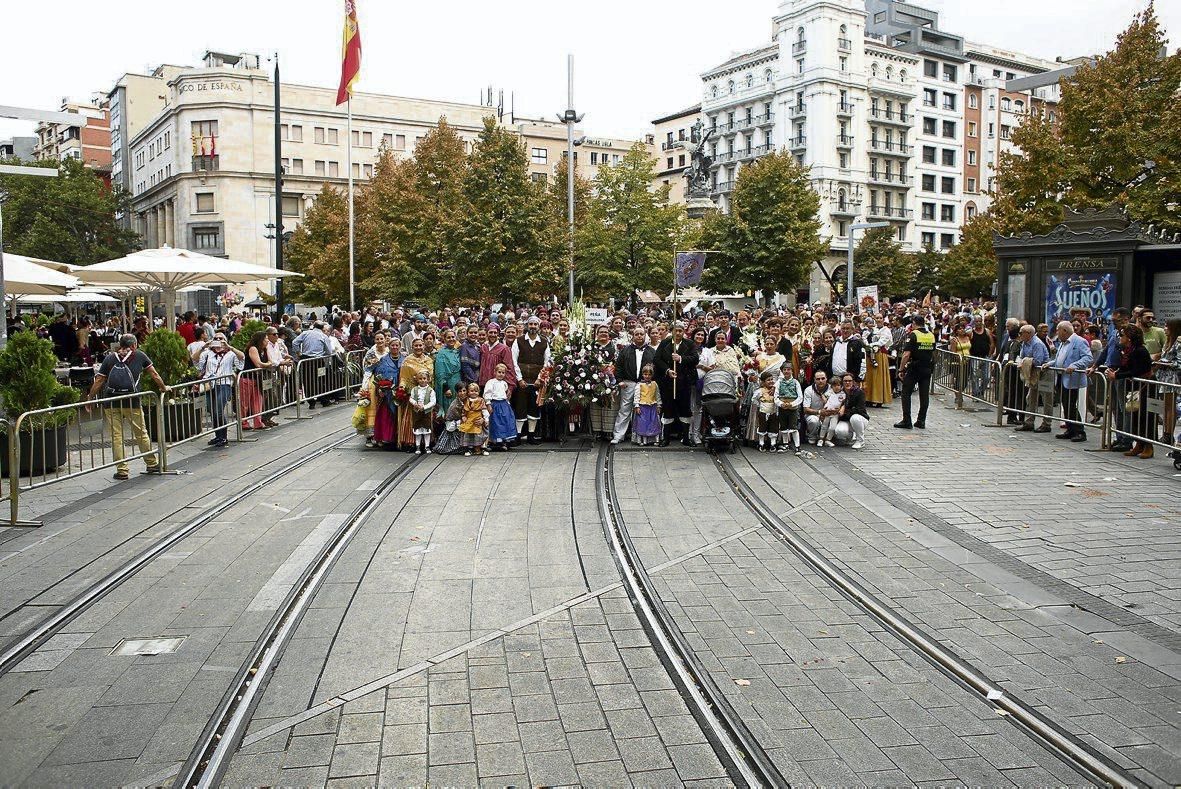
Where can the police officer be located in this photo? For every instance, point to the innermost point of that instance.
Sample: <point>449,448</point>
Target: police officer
<point>918,358</point>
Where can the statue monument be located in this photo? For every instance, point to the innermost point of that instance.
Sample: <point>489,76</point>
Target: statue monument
<point>697,189</point>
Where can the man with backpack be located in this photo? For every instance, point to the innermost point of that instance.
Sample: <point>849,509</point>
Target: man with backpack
<point>118,376</point>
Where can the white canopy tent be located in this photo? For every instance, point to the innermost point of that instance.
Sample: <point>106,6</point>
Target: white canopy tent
<point>169,270</point>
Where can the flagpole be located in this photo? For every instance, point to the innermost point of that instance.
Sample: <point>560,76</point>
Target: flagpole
<point>352,265</point>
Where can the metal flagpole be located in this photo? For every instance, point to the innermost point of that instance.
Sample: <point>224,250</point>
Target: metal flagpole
<point>352,264</point>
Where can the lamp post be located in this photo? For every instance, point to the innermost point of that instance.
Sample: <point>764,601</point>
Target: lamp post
<point>570,117</point>
<point>853,228</point>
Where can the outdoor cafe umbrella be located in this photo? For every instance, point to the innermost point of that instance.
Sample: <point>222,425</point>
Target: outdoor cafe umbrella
<point>171,269</point>
<point>24,276</point>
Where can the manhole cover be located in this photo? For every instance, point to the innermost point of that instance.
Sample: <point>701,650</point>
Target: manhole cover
<point>148,646</point>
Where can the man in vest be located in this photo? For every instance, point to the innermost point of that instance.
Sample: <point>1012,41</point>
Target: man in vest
<point>676,374</point>
<point>918,359</point>
<point>531,354</point>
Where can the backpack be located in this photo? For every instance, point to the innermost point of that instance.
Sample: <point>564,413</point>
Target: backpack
<point>121,381</point>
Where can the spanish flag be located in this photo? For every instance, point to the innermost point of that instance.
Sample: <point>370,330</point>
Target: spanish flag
<point>351,66</point>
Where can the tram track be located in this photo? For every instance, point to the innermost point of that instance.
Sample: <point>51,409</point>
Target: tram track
<point>42,631</point>
<point>220,739</point>
<point>1044,731</point>
<point>736,746</point>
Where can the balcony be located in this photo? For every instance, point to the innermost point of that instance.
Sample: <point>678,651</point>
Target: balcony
<point>723,187</point>
<point>888,212</point>
<point>879,177</point>
<point>845,108</point>
<point>844,45</point>
<point>891,116</point>
<point>893,88</point>
<point>843,210</point>
<point>754,152</point>
<point>721,157</point>
<point>798,142</point>
<point>799,48</point>
<point>797,111</point>
<point>891,148</point>
<point>765,120</point>
<point>845,141</point>
<point>672,146</point>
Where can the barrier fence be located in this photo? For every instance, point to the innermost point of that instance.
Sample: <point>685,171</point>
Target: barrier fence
<point>1146,411</point>
<point>52,445</point>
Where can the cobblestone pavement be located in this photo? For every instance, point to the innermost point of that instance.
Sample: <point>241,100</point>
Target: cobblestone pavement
<point>476,631</point>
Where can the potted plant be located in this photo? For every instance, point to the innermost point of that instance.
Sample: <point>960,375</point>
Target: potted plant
<point>241,338</point>
<point>27,383</point>
<point>170,356</point>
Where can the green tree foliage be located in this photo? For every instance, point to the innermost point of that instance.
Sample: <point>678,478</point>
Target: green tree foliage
<point>68,219</point>
<point>170,356</point>
<point>928,268</point>
<point>558,220</point>
<point>1114,118</point>
<point>319,249</point>
<point>969,268</point>
<point>630,232</point>
<point>771,237</point>
<point>878,260</point>
<point>502,245</point>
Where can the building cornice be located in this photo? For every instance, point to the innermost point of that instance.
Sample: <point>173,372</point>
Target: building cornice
<point>754,57</point>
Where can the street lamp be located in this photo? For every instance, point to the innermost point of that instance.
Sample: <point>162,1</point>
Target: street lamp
<point>853,228</point>
<point>570,117</point>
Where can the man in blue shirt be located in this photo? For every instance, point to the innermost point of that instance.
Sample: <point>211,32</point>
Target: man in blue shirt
<point>1073,360</point>
<point>1035,350</point>
<point>1110,358</point>
<point>313,344</point>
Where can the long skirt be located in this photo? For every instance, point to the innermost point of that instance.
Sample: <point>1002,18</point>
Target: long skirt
<point>504,422</point>
<point>448,442</point>
<point>602,417</point>
<point>470,440</point>
<point>406,426</point>
<point>751,409</point>
<point>878,389</point>
<point>647,422</point>
<point>385,423</point>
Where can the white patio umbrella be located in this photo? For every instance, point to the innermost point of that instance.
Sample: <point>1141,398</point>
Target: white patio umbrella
<point>25,276</point>
<point>82,296</point>
<point>172,269</point>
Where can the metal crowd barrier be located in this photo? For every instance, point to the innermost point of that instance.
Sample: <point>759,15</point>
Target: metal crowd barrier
<point>1153,418</point>
<point>320,378</point>
<point>193,410</point>
<point>262,392</point>
<point>354,362</point>
<point>1093,401</point>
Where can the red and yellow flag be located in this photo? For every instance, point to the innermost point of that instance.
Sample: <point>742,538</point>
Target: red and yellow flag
<point>350,68</point>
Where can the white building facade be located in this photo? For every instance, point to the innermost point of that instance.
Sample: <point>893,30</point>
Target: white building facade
<point>877,101</point>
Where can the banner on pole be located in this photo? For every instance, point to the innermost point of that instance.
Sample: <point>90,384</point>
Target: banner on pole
<point>867,298</point>
<point>689,268</point>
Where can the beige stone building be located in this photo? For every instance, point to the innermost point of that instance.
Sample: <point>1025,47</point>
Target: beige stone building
<point>670,134</point>
<point>89,144</point>
<point>546,144</point>
<point>134,102</point>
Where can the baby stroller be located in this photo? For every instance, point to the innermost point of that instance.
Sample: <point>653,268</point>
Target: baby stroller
<point>719,411</point>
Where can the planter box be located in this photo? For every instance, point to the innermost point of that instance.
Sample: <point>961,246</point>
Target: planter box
<point>41,451</point>
<point>182,421</point>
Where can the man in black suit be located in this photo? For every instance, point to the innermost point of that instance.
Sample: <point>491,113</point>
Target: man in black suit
<point>628,364</point>
<point>676,361</point>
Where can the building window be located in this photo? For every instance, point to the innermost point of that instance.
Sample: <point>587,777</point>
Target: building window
<point>541,156</point>
<point>668,167</point>
<point>973,101</point>
<point>841,229</point>
<point>730,87</point>
<point>206,238</point>
<point>842,203</point>
<point>768,76</point>
<point>946,240</point>
<point>320,167</point>
<point>681,160</point>
<point>931,69</point>
<point>970,211</point>
<point>972,185</point>
<point>929,154</point>
<point>367,170</point>
<point>1006,105</point>
<point>387,140</point>
<point>947,185</point>
<point>334,169</point>
<point>929,211</point>
<point>949,129</point>
<point>929,240</point>
<point>971,157</point>
<point>800,65</point>
<point>290,205</point>
<point>928,182</point>
<point>844,160</point>
<point>949,101</point>
<point>949,73</point>
<point>297,134</point>
<point>334,136</point>
<point>318,135</point>
<point>205,203</point>
<point>207,163</point>
<point>948,157</point>
<point>991,130</point>
<point>947,213</point>
<point>844,63</point>
<point>399,142</point>
<point>929,126</point>
<point>930,97</point>
<point>297,166</point>
<point>972,128</point>
<point>1005,130</point>
<point>356,170</point>
<point>538,178</point>
<point>362,139</point>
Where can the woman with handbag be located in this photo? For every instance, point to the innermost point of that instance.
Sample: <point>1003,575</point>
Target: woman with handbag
<point>1135,362</point>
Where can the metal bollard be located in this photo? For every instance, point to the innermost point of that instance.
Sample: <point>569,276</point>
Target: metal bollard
<point>1000,396</point>
<point>161,434</point>
<point>14,484</point>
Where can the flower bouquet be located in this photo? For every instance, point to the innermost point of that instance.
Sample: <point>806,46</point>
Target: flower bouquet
<point>401,395</point>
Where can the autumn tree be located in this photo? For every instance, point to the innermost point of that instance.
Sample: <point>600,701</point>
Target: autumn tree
<point>878,259</point>
<point>970,267</point>
<point>319,249</point>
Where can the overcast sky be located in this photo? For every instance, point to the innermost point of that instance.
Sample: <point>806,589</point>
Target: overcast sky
<point>634,61</point>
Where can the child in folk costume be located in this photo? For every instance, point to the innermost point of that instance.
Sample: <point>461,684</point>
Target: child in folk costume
<point>832,409</point>
<point>473,424</point>
<point>503,425</point>
<point>647,417</point>
<point>788,397</point>
<point>448,443</point>
<point>422,403</point>
<point>766,412</point>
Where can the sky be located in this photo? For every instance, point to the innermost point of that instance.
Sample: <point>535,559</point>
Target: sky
<point>634,61</point>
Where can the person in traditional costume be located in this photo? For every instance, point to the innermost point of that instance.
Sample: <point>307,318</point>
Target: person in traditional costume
<point>788,396</point>
<point>473,424</point>
<point>878,389</point>
<point>531,355</point>
<point>698,339</point>
<point>448,442</point>
<point>447,371</point>
<point>414,363</point>
<point>766,411</point>
<point>367,390</point>
<point>493,353</point>
<point>383,403</point>
<point>601,357</point>
<point>422,411</point>
<point>675,364</point>
<point>647,427</point>
<point>503,424</point>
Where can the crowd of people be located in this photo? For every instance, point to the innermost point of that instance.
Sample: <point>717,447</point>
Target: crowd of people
<point>474,380</point>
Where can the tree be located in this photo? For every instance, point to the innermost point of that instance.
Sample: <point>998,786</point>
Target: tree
<point>559,221</point>
<point>631,230</point>
<point>928,265</point>
<point>319,249</point>
<point>68,219</point>
<point>773,235</point>
<point>970,268</point>
<point>878,260</point>
<point>501,240</point>
<point>1114,118</point>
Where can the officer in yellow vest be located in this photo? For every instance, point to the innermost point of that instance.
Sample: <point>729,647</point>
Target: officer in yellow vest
<point>918,359</point>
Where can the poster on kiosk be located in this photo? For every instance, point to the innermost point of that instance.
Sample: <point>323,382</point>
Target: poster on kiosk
<point>1071,293</point>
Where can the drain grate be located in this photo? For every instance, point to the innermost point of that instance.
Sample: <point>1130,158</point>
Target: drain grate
<point>148,646</point>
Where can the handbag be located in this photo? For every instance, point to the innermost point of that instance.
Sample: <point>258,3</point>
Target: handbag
<point>1132,402</point>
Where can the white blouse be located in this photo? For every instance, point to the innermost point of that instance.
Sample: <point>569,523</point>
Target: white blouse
<point>496,390</point>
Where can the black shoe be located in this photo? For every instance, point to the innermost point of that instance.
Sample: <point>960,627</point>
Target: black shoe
<point>662,442</point>
<point>1042,429</point>
<point>1024,429</point>
<point>214,441</point>
<point>921,425</point>
<point>904,425</point>
<point>312,406</point>
<point>533,439</point>
<point>1079,437</point>
<point>154,469</point>
<point>120,475</point>
<point>1120,447</point>
<point>1065,436</point>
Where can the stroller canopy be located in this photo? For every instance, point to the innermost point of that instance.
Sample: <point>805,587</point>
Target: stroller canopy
<point>718,384</point>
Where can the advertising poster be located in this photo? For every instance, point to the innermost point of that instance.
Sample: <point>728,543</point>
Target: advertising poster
<point>867,298</point>
<point>1166,296</point>
<point>1092,292</point>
